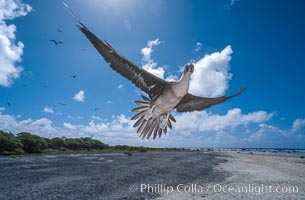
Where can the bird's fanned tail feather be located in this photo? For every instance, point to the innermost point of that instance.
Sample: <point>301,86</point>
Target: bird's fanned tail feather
<point>148,125</point>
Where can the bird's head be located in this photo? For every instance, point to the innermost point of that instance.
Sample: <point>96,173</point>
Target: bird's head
<point>189,68</point>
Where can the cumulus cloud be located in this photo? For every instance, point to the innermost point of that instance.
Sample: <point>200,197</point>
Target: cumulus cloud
<point>41,126</point>
<point>94,117</point>
<point>10,53</point>
<point>69,126</point>
<point>148,63</point>
<point>298,124</point>
<point>48,110</point>
<point>205,121</point>
<point>80,96</point>
<point>198,46</point>
<point>172,78</point>
<point>265,130</point>
<point>211,74</point>
<point>117,130</point>
<point>202,129</point>
<point>118,126</point>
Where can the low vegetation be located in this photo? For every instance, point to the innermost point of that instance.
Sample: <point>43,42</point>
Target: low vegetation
<point>26,142</point>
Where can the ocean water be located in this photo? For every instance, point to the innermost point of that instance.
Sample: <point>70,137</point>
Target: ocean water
<point>262,151</point>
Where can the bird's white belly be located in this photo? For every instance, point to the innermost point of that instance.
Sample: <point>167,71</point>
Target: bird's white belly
<point>165,103</point>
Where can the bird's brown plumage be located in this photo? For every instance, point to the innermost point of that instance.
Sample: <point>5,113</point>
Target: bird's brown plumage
<point>149,124</point>
<point>149,83</point>
<point>195,103</point>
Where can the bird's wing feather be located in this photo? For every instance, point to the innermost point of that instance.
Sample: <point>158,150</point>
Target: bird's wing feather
<point>149,83</point>
<point>195,103</point>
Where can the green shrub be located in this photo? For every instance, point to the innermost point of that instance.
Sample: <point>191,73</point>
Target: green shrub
<point>57,143</point>
<point>19,151</point>
<point>32,143</point>
<point>96,144</point>
<point>142,149</point>
<point>73,144</point>
<point>63,149</point>
<point>9,143</point>
<point>84,144</point>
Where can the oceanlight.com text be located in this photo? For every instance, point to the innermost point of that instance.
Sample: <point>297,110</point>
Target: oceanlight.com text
<point>256,189</point>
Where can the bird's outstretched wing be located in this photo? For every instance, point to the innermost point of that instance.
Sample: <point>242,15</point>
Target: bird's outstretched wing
<point>54,41</point>
<point>191,102</point>
<point>150,84</point>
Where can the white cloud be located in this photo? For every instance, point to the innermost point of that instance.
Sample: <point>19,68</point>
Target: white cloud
<point>211,74</point>
<point>96,118</point>
<point>148,63</point>
<point>69,126</point>
<point>26,121</point>
<point>10,53</point>
<point>117,126</point>
<point>203,129</point>
<point>80,96</point>
<point>265,130</point>
<point>2,109</point>
<point>73,117</point>
<point>120,86</point>
<point>230,4</point>
<point>198,46</point>
<point>172,78</point>
<point>41,126</point>
<point>48,110</point>
<point>298,124</point>
<point>205,121</point>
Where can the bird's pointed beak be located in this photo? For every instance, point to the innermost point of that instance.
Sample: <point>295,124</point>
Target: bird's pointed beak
<point>189,67</point>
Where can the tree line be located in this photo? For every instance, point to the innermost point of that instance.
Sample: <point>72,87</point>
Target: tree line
<point>26,142</point>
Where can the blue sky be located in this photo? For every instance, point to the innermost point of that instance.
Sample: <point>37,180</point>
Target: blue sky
<point>233,43</point>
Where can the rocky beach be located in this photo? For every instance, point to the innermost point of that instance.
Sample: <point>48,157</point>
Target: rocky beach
<point>164,175</point>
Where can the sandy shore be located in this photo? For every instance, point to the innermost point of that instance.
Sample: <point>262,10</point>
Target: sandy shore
<point>265,177</point>
<point>177,175</point>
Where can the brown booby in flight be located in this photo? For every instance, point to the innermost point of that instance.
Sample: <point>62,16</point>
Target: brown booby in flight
<point>56,42</point>
<point>154,114</point>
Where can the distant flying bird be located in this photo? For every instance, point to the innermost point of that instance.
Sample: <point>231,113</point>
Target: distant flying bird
<point>59,30</point>
<point>96,109</point>
<point>8,103</point>
<point>62,104</point>
<point>73,76</point>
<point>56,42</point>
<point>154,114</point>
